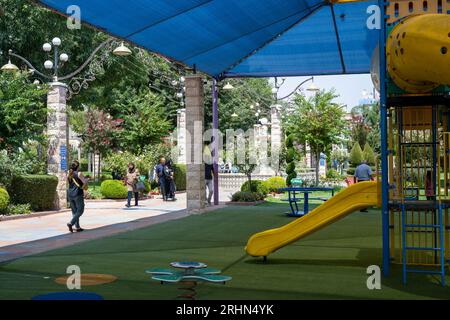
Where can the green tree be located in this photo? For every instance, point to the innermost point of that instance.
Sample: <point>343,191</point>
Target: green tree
<point>248,98</point>
<point>369,155</point>
<point>365,125</point>
<point>317,121</point>
<point>356,155</point>
<point>100,133</point>
<point>24,27</point>
<point>23,114</point>
<point>145,121</point>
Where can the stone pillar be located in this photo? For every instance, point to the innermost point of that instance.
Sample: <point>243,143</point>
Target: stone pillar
<point>195,180</point>
<point>58,140</point>
<point>181,136</point>
<point>275,137</point>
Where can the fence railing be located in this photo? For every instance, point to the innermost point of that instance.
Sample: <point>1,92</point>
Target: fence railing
<point>234,181</point>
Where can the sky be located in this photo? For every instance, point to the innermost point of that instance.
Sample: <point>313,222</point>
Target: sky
<point>349,87</point>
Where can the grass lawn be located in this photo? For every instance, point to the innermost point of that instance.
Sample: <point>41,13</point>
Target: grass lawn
<point>330,264</point>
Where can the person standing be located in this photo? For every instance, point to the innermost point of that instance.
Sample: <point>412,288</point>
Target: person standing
<point>363,173</point>
<point>170,180</point>
<point>131,180</point>
<point>161,176</point>
<point>77,184</point>
<point>209,172</point>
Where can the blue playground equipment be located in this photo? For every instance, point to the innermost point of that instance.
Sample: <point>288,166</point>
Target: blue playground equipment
<point>188,273</point>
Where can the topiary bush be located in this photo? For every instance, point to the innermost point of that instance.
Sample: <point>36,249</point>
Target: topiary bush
<point>180,176</point>
<point>243,196</point>
<point>290,159</point>
<point>113,189</point>
<point>37,190</point>
<point>369,155</point>
<point>4,200</point>
<point>356,155</point>
<point>257,186</point>
<point>275,183</point>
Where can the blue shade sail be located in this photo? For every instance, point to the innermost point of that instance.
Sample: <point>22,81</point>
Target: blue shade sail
<point>240,38</point>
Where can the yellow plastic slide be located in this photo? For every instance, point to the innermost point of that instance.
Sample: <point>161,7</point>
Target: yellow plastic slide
<point>356,197</point>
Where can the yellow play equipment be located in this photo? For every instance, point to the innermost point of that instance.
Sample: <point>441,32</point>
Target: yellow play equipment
<point>418,51</point>
<point>351,199</point>
<point>418,144</point>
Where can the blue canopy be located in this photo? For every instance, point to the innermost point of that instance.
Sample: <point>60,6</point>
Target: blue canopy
<point>241,38</point>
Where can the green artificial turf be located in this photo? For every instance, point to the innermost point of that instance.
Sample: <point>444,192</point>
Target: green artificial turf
<point>330,264</point>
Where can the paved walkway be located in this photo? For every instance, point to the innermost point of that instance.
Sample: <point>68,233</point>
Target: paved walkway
<point>22,237</point>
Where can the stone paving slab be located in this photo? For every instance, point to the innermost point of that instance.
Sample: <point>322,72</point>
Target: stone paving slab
<point>97,214</point>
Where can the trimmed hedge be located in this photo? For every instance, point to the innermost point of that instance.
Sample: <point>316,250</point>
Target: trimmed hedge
<point>257,186</point>
<point>180,176</point>
<point>4,200</point>
<point>37,190</point>
<point>243,196</point>
<point>113,189</point>
<point>275,183</point>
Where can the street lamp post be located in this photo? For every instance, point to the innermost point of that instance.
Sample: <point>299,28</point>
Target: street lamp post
<point>278,85</point>
<point>57,122</point>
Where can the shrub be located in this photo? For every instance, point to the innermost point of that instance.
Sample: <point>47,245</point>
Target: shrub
<point>117,162</point>
<point>244,196</point>
<point>16,209</point>
<point>369,155</point>
<point>333,174</point>
<point>84,165</point>
<point>37,190</point>
<point>275,183</point>
<point>356,155</point>
<point>104,177</point>
<point>257,186</point>
<point>180,176</point>
<point>289,177</point>
<point>4,200</point>
<point>290,167</point>
<point>351,171</point>
<point>113,189</point>
<point>148,187</point>
<point>290,159</point>
<point>290,155</point>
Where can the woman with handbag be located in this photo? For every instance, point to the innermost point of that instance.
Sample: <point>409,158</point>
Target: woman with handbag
<point>77,184</point>
<point>131,181</point>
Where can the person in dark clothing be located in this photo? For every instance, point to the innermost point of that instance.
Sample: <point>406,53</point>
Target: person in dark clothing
<point>161,176</point>
<point>77,185</point>
<point>170,181</point>
<point>209,172</point>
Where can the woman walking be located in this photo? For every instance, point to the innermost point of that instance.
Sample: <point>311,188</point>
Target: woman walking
<point>131,180</point>
<point>77,185</point>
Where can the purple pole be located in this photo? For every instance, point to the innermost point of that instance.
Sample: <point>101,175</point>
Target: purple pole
<point>215,112</point>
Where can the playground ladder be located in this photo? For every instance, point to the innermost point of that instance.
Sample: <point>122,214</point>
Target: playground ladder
<point>436,248</point>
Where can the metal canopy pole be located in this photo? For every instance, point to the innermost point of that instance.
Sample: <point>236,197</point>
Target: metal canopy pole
<point>215,144</point>
<point>383,129</point>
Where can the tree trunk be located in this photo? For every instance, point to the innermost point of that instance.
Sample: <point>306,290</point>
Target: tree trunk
<point>317,167</point>
<point>98,168</point>
<point>94,175</point>
<point>250,187</point>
